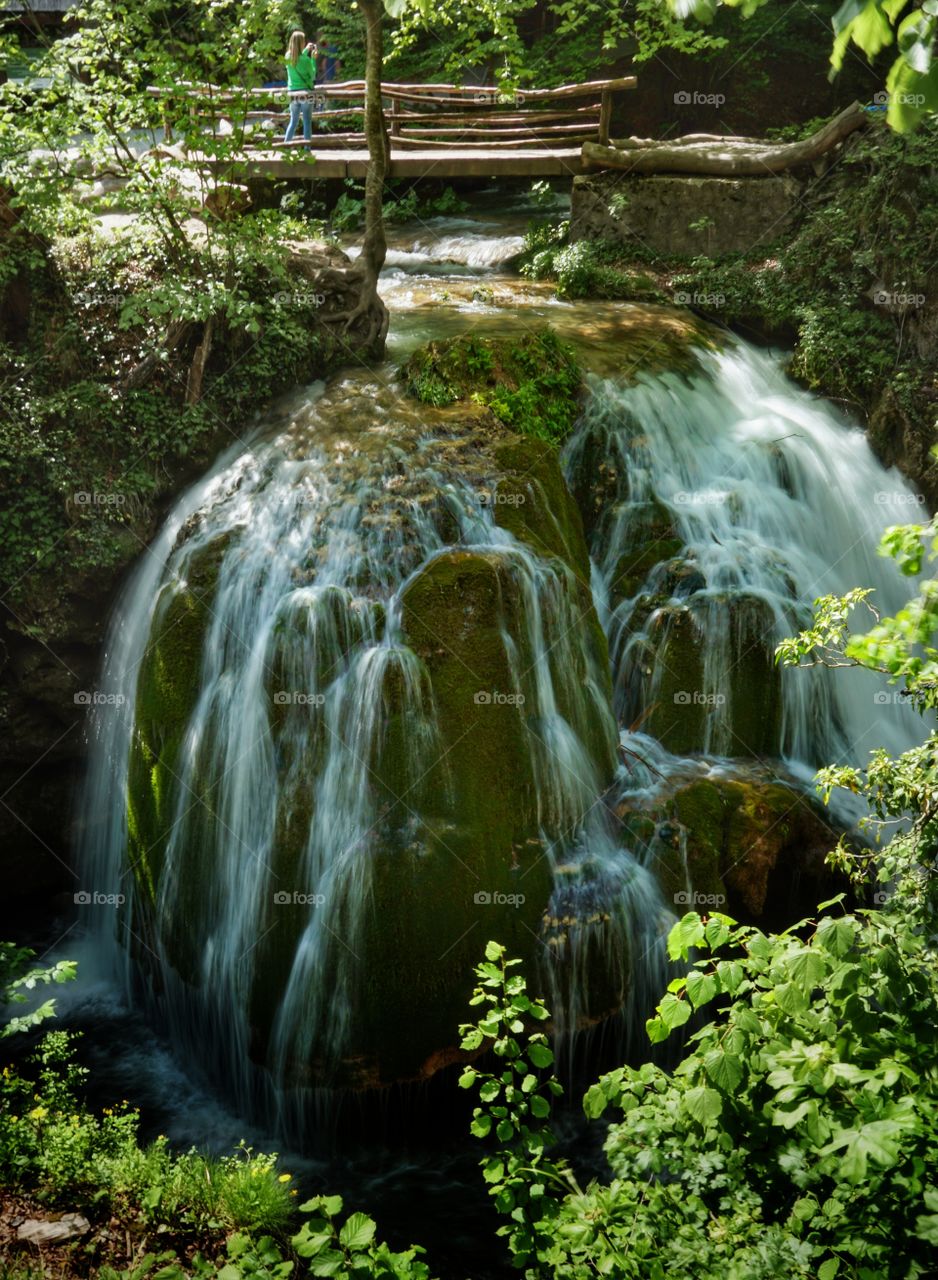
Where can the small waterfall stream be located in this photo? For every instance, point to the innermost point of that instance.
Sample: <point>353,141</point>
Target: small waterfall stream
<point>756,499</point>
<point>306,747</point>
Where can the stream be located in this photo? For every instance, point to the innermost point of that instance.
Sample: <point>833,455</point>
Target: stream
<point>316,530</point>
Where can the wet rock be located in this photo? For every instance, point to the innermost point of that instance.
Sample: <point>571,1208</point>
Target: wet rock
<point>752,847</point>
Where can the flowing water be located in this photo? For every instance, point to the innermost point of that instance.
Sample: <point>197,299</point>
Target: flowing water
<point>311,531</point>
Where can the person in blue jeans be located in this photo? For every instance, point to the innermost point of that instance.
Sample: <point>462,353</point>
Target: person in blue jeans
<point>301,80</point>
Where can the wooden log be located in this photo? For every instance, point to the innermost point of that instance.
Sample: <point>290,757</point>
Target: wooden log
<point>728,157</point>
<point>442,92</point>
<point>493,132</point>
<point>455,144</point>
<point>685,139</point>
<point>502,117</point>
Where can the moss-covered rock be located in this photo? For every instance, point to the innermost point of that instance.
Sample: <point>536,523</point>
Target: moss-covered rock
<point>167,692</point>
<point>683,708</point>
<point>461,811</point>
<point>532,383</point>
<point>754,847</point>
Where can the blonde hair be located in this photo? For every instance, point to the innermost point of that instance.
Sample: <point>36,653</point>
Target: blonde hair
<point>295,47</point>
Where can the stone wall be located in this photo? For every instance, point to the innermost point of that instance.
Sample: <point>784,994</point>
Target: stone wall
<point>659,211</point>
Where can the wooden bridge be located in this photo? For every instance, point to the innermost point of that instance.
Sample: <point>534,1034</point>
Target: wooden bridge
<point>434,130</point>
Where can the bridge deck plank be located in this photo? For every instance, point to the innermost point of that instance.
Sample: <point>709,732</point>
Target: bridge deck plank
<point>413,163</point>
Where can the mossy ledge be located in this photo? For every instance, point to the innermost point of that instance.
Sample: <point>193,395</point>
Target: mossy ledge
<point>532,384</point>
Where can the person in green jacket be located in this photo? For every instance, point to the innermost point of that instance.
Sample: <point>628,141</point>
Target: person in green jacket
<point>301,79</point>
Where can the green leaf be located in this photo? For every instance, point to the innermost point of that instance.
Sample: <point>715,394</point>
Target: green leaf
<point>673,1012</point>
<point>808,969</point>
<point>701,987</point>
<point>704,1104</point>
<point>686,934</point>
<point>724,1069</point>
<point>837,935</point>
<point>358,1232</point>
<point>828,1270</point>
<point>540,1055</point>
<point>481,1126</point>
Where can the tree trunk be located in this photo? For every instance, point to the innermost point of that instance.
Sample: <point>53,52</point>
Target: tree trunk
<point>730,156</point>
<point>374,244</point>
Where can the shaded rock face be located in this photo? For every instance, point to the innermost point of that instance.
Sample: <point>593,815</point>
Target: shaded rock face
<point>395,630</point>
<point>752,846</point>
<point>682,214</point>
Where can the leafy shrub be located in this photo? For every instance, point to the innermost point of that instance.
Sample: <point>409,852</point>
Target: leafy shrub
<point>531,384</point>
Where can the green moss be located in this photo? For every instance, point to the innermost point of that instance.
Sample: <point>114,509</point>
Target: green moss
<point>531,384</point>
<point>167,691</point>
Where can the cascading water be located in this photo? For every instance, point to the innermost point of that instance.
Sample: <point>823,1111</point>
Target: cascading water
<point>277,727</point>
<point>727,502</point>
<point>282,795</point>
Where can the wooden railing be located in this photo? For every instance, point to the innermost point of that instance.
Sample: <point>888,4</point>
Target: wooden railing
<point>427,116</point>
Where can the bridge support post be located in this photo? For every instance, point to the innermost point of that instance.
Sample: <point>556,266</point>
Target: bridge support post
<point>605,118</point>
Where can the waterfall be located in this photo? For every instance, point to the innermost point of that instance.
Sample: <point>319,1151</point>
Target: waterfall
<point>272,783</point>
<point>728,500</point>
<point>277,731</point>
